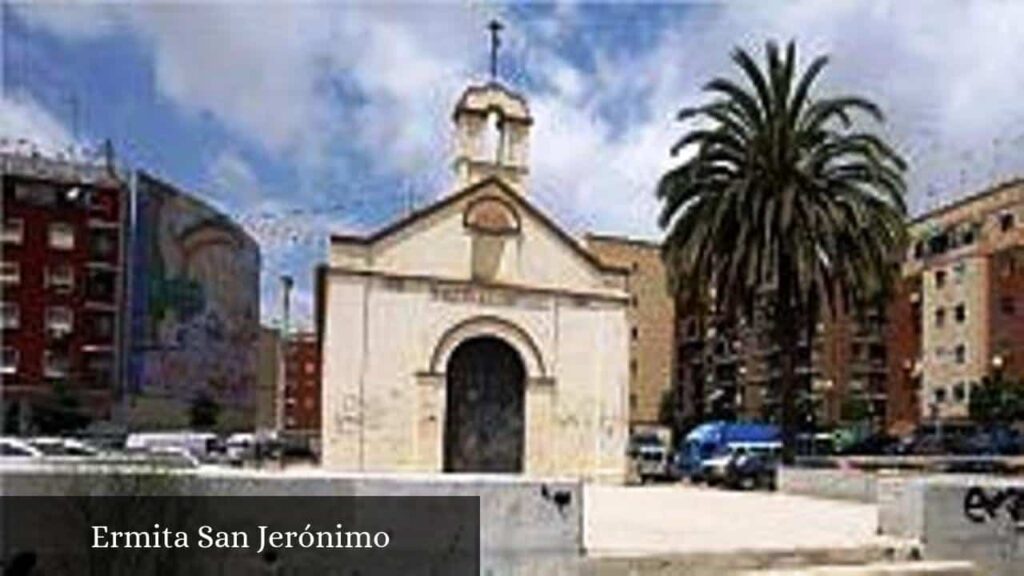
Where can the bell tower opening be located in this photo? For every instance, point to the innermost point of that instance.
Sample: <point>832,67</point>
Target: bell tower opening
<point>492,129</point>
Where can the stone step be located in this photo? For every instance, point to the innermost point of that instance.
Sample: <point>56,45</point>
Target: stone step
<point>721,563</point>
<point>909,568</point>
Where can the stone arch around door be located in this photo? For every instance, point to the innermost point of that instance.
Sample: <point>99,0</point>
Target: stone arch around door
<point>513,335</point>
<point>535,391</point>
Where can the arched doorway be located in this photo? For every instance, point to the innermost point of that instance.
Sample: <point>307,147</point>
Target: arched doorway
<point>484,425</point>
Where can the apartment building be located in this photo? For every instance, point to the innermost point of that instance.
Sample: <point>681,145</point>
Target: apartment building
<point>966,272</point>
<point>302,384</point>
<point>651,317</point>
<point>62,283</point>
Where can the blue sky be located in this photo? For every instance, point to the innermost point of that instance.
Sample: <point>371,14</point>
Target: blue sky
<point>311,118</point>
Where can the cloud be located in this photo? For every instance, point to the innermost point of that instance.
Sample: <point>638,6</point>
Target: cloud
<point>23,120</point>
<point>369,88</point>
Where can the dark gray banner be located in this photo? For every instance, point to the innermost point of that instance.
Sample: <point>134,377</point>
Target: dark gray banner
<point>171,535</point>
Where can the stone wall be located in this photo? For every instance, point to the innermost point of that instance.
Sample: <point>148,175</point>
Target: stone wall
<point>977,518</point>
<point>527,526</point>
<point>832,483</point>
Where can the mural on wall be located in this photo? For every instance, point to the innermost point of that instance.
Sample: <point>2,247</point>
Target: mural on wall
<point>195,301</point>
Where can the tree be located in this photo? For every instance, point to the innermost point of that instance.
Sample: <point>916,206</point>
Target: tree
<point>997,401</point>
<point>204,411</point>
<point>785,204</point>
<point>60,412</point>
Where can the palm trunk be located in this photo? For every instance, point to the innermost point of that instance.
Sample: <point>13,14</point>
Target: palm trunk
<point>788,329</point>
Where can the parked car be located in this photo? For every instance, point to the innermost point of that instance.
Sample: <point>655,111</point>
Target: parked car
<point>752,470</point>
<point>17,448</point>
<point>56,446</point>
<point>716,470</point>
<point>874,445</point>
<point>204,446</point>
<point>649,456</point>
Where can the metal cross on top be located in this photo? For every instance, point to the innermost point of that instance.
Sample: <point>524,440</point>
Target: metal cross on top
<point>495,27</point>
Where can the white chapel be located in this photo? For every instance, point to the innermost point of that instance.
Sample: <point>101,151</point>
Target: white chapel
<point>475,334</point>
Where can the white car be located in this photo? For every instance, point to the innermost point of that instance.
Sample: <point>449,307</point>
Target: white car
<point>17,448</point>
<point>53,446</point>
<point>714,470</point>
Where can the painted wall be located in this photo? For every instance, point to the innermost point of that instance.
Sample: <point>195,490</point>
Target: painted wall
<point>194,310</point>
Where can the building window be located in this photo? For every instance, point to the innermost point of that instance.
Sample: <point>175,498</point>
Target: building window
<point>101,326</point>
<point>940,317</point>
<point>634,332</point>
<point>1008,305</point>
<point>940,278</point>
<point>1006,221</point>
<point>309,367</point>
<point>10,273</point>
<point>10,360</point>
<point>60,277</point>
<point>960,313</point>
<point>308,402</point>
<point>959,393</point>
<point>62,236</point>
<point>961,353</point>
<point>55,364</point>
<point>101,246</point>
<point>959,271</point>
<point>939,395</point>
<point>11,316</point>
<point>14,231</point>
<point>632,367</point>
<point>59,320</point>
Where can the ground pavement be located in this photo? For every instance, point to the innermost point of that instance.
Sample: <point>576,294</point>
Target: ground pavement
<point>682,519</point>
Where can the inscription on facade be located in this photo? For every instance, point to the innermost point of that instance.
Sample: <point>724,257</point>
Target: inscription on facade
<point>485,296</point>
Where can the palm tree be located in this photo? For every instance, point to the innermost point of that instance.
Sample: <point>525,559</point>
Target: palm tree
<point>785,204</point>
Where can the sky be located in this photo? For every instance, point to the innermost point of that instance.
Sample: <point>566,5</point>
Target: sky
<point>309,118</point>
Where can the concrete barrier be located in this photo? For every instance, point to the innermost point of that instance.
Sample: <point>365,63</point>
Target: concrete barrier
<point>975,518</point>
<point>528,525</point>
<point>832,483</point>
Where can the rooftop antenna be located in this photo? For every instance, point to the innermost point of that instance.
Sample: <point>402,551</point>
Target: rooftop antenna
<point>495,27</point>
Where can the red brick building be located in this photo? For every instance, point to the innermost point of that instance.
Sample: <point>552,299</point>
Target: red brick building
<point>62,282</point>
<point>302,384</point>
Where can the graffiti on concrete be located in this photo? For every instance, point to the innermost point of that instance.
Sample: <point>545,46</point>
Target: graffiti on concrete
<point>982,506</point>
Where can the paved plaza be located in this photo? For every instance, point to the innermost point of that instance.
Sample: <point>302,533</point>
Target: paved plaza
<point>680,519</point>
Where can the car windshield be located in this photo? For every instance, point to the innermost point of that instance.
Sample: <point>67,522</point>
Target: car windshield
<point>647,440</point>
<point>50,448</point>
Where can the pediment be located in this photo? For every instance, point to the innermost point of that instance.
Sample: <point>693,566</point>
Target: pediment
<point>487,232</point>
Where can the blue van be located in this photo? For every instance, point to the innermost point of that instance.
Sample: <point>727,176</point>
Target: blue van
<point>715,440</point>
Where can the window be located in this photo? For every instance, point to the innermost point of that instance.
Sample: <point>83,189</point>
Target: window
<point>959,271</point>
<point>634,332</point>
<point>959,393</point>
<point>308,403</point>
<point>940,278</point>
<point>10,273</point>
<point>60,277</point>
<point>101,246</point>
<point>961,353</point>
<point>10,360</point>
<point>939,395</point>
<point>55,364</point>
<point>960,313</point>
<point>11,315</point>
<point>940,317</point>
<point>62,236</point>
<point>14,231</point>
<point>59,319</point>
<point>1008,305</point>
<point>1006,221</point>
<point>309,367</point>
<point>101,326</point>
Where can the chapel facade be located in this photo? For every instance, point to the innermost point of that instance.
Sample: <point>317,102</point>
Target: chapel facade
<point>475,334</point>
